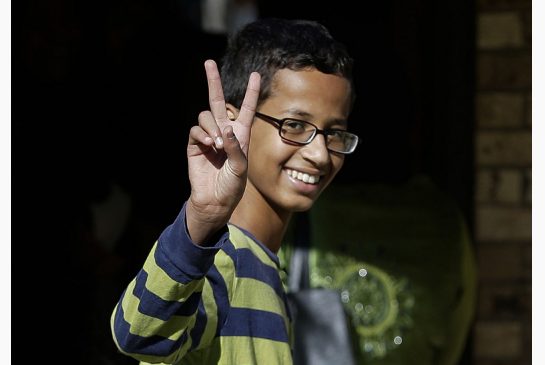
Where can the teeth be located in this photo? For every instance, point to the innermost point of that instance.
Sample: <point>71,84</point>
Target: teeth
<point>309,179</point>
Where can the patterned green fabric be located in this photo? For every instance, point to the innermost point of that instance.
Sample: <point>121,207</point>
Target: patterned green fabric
<point>222,304</point>
<point>403,263</point>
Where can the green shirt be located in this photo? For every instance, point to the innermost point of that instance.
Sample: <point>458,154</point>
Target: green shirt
<point>189,304</point>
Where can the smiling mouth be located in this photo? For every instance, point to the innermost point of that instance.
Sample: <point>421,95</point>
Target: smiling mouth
<point>304,177</point>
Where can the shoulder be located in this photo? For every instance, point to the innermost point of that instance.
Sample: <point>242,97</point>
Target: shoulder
<point>247,248</point>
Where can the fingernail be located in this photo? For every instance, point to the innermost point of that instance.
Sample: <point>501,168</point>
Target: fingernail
<point>208,140</point>
<point>231,135</point>
<point>219,142</point>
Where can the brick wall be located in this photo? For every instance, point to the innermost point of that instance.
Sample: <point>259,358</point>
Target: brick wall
<point>502,333</point>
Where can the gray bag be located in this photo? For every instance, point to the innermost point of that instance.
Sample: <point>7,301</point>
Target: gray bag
<point>321,332</point>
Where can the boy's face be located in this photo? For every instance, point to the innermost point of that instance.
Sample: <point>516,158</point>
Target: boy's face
<point>277,169</point>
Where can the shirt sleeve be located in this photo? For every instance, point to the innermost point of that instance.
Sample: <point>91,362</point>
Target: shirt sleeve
<point>156,313</point>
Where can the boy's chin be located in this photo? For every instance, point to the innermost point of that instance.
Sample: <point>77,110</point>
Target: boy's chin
<point>301,206</point>
<point>294,203</point>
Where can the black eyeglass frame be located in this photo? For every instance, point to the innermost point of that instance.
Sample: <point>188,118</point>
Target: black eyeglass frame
<point>279,122</point>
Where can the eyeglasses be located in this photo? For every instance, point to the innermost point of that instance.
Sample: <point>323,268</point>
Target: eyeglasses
<point>302,132</point>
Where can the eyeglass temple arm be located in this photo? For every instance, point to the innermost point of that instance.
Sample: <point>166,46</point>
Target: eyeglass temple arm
<point>267,118</point>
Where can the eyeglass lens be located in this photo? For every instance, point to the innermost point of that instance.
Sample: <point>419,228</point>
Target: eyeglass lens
<point>302,132</point>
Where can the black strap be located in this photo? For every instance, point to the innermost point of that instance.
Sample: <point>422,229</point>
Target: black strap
<point>299,266</point>
<point>319,339</point>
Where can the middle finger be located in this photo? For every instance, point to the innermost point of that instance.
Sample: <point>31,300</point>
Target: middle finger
<point>215,91</point>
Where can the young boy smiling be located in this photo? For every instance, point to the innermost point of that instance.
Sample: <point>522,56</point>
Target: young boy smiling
<point>210,290</point>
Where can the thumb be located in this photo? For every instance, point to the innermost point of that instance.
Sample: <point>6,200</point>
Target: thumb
<point>236,159</point>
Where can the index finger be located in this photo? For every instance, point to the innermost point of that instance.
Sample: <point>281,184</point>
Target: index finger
<point>249,104</point>
<point>215,91</point>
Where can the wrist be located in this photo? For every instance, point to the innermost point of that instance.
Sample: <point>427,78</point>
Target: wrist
<point>203,223</point>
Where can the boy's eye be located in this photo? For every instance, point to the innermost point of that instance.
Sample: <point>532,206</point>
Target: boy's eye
<point>294,126</point>
<point>337,134</point>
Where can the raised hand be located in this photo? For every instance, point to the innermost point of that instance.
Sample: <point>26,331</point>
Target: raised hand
<point>217,158</point>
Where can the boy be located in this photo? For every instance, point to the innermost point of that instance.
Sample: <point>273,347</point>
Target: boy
<point>210,291</point>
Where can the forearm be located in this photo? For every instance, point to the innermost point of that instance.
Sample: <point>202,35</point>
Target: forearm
<point>204,223</point>
<point>154,317</point>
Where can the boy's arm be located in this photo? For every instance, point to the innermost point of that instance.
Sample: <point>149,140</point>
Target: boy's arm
<point>154,318</point>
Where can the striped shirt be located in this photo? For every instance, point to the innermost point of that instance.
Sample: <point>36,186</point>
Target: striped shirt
<point>223,304</point>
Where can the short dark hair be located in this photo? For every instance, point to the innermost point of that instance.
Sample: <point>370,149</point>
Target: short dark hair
<point>271,44</point>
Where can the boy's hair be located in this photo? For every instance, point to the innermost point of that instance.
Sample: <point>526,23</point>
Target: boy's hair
<point>269,45</point>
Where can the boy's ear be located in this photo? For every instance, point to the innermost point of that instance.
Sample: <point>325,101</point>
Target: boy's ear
<point>232,112</point>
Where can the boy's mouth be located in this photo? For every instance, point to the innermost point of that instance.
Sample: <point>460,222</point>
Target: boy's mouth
<point>303,176</point>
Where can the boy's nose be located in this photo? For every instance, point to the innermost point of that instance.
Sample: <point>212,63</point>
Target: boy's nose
<point>316,151</point>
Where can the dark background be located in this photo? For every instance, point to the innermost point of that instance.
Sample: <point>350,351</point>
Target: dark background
<point>105,92</point>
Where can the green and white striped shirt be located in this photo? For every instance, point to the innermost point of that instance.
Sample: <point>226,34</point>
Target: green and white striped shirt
<point>189,304</point>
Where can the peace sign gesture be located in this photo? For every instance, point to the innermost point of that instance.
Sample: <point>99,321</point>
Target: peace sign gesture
<point>217,158</point>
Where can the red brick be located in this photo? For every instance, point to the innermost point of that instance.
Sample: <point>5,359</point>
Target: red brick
<point>527,27</point>
<point>500,110</point>
<point>507,300</point>
<point>504,71</point>
<point>511,148</point>
<point>528,116</point>
<point>498,263</point>
<point>500,186</point>
<point>503,223</point>
<point>500,30</point>
<point>503,4</point>
<point>498,340</point>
